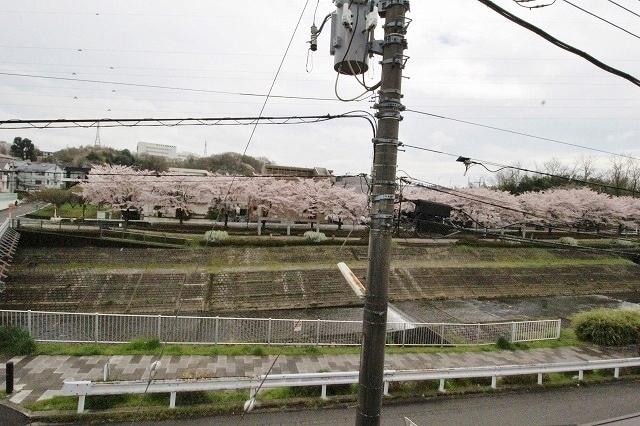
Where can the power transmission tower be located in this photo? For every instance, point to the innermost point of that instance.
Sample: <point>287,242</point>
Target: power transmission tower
<point>97,142</point>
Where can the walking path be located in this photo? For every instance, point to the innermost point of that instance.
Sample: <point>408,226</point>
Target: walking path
<point>42,377</point>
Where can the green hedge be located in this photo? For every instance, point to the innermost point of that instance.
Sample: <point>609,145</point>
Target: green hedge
<point>15,341</point>
<point>608,327</point>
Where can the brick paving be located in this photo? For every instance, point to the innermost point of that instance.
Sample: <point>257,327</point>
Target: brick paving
<point>42,377</point>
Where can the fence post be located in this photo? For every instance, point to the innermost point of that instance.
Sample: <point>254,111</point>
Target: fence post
<point>513,332</point>
<point>159,328</point>
<point>442,335</point>
<point>29,323</point>
<point>95,327</point>
<point>269,333</point>
<point>216,330</point>
<point>318,332</point>
<point>559,329</point>
<point>478,335</point>
<point>9,378</point>
<point>404,336</point>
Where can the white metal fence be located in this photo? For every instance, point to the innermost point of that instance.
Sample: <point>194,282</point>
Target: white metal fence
<point>117,328</point>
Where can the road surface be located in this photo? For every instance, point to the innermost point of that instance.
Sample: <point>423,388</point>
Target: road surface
<point>569,406</point>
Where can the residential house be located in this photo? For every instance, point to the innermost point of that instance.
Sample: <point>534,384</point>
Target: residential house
<point>35,176</point>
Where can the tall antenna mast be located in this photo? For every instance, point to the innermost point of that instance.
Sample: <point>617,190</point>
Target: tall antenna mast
<point>97,141</point>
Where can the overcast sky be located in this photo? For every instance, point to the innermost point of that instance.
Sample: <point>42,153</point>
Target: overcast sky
<point>466,62</point>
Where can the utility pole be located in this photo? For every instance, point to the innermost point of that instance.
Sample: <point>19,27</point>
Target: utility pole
<point>386,144</point>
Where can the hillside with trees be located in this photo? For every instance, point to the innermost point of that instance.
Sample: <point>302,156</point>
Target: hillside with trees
<point>226,163</point>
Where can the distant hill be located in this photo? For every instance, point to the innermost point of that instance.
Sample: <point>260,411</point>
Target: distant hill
<point>229,162</point>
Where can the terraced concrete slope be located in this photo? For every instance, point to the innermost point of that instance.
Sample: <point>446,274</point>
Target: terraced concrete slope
<point>219,281</point>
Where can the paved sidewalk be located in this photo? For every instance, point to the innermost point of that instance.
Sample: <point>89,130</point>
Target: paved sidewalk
<point>42,377</point>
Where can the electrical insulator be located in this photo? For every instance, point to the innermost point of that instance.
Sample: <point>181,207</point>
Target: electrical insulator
<point>350,36</point>
<point>314,38</point>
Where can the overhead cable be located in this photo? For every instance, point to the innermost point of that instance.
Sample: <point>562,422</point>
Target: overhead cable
<point>155,86</point>
<point>472,161</point>
<point>559,43</point>
<point>515,132</point>
<point>603,19</point>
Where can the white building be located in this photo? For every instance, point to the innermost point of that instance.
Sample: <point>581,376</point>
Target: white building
<point>157,150</point>
<point>35,176</point>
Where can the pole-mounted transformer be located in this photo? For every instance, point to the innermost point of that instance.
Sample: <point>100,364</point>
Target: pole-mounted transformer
<point>351,33</point>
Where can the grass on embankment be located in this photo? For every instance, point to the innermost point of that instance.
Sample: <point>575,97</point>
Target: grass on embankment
<point>66,210</point>
<point>153,347</point>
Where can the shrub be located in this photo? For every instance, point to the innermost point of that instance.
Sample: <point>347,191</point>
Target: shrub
<point>569,241</point>
<point>315,237</point>
<point>624,243</point>
<point>504,344</point>
<point>216,236</point>
<point>608,327</point>
<point>16,341</point>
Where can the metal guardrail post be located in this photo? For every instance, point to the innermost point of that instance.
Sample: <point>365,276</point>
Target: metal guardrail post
<point>581,375</point>
<point>172,400</point>
<point>441,388</point>
<point>81,399</point>
<point>616,373</point>
<point>540,377</point>
<point>494,382</point>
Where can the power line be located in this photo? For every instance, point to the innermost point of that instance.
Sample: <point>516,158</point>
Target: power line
<point>492,202</point>
<point>559,43</point>
<point>176,122</point>
<point>155,86</point>
<point>515,132</point>
<point>625,8</point>
<point>602,19</point>
<point>468,161</point>
<point>268,95</point>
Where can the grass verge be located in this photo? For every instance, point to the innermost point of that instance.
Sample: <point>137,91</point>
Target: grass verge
<point>198,404</point>
<point>151,347</point>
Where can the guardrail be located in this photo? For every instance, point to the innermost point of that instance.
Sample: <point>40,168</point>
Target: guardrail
<point>82,389</point>
<point>118,328</point>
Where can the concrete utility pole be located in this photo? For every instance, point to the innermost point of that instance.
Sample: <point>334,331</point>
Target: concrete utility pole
<point>386,144</point>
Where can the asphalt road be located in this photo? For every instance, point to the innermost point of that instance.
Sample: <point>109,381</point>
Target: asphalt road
<point>570,406</point>
<point>20,210</point>
<point>9,417</point>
